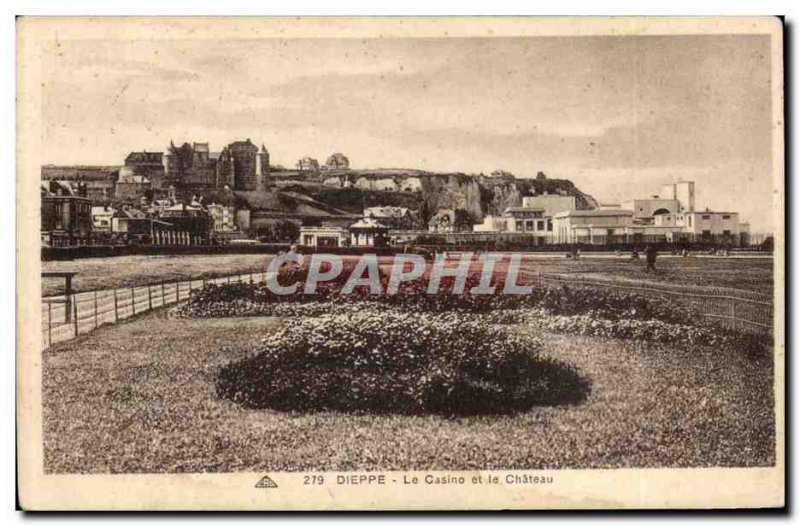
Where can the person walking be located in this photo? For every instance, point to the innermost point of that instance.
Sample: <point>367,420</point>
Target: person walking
<point>651,254</point>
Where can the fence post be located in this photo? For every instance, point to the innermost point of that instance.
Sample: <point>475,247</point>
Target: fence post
<point>163,295</point>
<point>96,323</point>
<point>149,297</point>
<point>733,313</point>
<point>75,314</point>
<point>133,301</point>
<point>116,312</point>
<point>49,324</point>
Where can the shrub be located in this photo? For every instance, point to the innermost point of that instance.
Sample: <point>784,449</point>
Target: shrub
<point>635,329</point>
<point>565,310</point>
<point>412,298</point>
<point>401,363</point>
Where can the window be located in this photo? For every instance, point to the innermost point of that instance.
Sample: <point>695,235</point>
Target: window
<point>706,216</point>
<point>706,233</point>
<point>549,226</point>
<point>726,217</point>
<point>726,233</point>
<point>690,220</point>
<point>540,225</point>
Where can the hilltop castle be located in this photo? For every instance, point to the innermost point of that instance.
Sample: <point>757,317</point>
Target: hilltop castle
<point>241,165</point>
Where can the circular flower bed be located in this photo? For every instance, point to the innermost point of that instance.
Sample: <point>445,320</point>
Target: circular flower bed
<point>401,363</point>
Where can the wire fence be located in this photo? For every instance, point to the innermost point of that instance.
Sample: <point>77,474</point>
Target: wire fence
<point>736,309</point>
<point>65,317</point>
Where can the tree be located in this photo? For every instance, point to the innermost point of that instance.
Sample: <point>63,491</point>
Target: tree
<point>462,219</point>
<point>503,174</point>
<point>284,230</point>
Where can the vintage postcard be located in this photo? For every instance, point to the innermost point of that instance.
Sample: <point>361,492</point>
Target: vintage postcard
<point>400,263</point>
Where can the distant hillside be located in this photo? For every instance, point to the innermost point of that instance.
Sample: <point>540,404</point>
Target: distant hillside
<point>427,193</point>
<point>348,192</point>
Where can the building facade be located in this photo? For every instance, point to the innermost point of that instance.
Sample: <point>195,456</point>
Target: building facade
<point>66,214</point>
<point>241,165</point>
<point>101,218</point>
<point>99,181</point>
<point>368,233</point>
<point>712,227</point>
<point>673,199</point>
<point>552,204</point>
<point>608,227</point>
<point>597,227</point>
<point>223,217</point>
<point>337,161</point>
<point>308,164</point>
<point>144,165</point>
<point>193,220</point>
<point>189,165</point>
<point>323,236</point>
<point>395,217</point>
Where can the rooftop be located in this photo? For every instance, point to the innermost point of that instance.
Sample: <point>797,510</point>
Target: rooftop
<point>523,209</point>
<point>594,213</point>
<point>368,222</point>
<point>385,211</point>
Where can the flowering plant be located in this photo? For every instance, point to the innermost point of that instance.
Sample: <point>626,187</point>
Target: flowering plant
<point>399,362</point>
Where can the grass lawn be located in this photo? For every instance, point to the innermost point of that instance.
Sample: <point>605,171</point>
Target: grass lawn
<point>134,271</point>
<point>140,397</point>
<point>739,273</point>
<point>127,271</point>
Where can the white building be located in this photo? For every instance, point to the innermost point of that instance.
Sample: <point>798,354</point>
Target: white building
<point>552,204</point>
<point>668,217</point>
<point>368,232</point>
<point>224,217</point>
<point>716,227</point>
<point>323,236</point>
<point>397,217</point>
<point>600,227</point>
<point>492,224</point>
<point>597,227</point>
<point>101,218</point>
<point>520,219</point>
<point>673,199</point>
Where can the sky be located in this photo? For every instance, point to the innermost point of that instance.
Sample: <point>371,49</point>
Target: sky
<point>619,116</point>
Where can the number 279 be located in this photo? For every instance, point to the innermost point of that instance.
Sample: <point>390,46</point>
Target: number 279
<point>316,480</point>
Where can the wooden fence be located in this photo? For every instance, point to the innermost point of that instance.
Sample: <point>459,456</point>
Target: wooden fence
<point>92,309</point>
<point>740,310</point>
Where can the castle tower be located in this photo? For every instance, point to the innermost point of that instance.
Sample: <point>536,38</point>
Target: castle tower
<point>262,168</point>
<point>224,169</point>
<point>244,158</point>
<point>167,159</point>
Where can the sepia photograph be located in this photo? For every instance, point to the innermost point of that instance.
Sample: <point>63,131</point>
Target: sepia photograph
<point>337,263</point>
